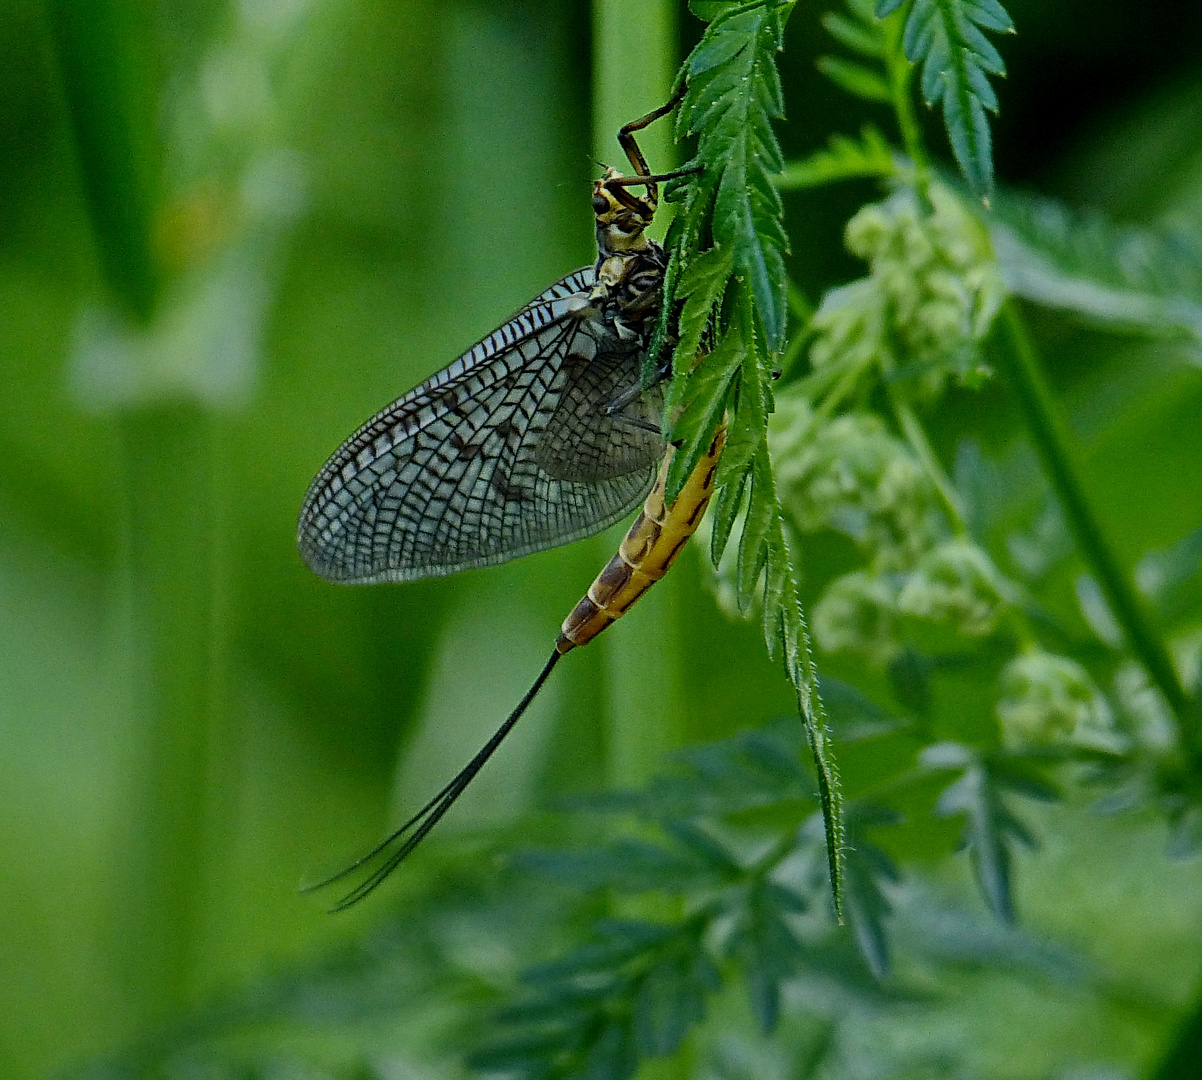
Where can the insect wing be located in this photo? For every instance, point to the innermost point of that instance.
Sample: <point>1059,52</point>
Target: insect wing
<point>507,451</point>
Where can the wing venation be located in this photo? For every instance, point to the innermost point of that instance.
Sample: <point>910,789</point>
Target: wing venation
<point>506,451</point>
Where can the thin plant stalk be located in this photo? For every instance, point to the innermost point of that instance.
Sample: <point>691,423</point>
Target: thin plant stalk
<point>1048,430</point>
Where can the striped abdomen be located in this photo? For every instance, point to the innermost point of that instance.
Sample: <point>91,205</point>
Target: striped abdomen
<point>647,550</point>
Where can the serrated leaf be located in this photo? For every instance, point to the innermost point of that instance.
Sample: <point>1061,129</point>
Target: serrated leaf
<point>701,287</point>
<point>856,79</point>
<point>991,829</point>
<point>723,511</point>
<point>733,95</point>
<point>945,38</point>
<point>696,401</point>
<point>753,545</point>
<point>747,427</point>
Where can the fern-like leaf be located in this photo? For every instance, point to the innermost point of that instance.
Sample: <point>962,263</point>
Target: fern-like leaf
<point>991,829</point>
<point>733,96</point>
<point>946,38</point>
<point>1138,279</point>
<point>735,292</point>
<point>843,159</point>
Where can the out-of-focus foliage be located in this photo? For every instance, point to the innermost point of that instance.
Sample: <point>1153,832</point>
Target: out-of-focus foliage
<point>229,232</point>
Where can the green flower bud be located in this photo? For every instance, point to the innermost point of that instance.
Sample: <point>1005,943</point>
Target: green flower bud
<point>956,588</point>
<point>852,476</point>
<point>856,613</point>
<point>937,288</point>
<point>1049,699</point>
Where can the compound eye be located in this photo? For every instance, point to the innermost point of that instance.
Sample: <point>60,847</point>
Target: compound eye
<point>600,203</point>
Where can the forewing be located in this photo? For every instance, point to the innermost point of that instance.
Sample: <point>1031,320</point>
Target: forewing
<point>479,465</point>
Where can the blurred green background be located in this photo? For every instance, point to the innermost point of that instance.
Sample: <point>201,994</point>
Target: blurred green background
<point>228,234</point>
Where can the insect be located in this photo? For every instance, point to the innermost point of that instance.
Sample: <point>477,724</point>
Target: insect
<point>540,434</point>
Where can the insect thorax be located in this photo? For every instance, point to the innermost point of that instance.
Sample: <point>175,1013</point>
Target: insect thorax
<point>626,297</point>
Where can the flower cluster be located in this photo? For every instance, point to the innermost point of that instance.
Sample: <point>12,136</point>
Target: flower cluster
<point>929,301</point>
<point>851,475</point>
<point>1047,699</point>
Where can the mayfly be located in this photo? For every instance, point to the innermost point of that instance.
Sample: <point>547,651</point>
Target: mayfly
<point>538,435</point>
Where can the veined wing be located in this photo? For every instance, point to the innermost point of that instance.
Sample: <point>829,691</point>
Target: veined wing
<point>507,451</point>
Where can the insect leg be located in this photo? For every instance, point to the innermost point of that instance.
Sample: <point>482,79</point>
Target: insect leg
<point>627,141</point>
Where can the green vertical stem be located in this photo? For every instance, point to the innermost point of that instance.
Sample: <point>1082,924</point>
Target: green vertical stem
<point>170,575</point>
<point>634,62</point>
<point>635,55</point>
<point>1049,432</point>
<point>900,72</point>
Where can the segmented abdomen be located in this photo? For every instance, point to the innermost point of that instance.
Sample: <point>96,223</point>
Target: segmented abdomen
<point>647,550</point>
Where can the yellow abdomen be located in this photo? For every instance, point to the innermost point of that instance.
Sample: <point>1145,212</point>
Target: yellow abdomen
<point>647,550</point>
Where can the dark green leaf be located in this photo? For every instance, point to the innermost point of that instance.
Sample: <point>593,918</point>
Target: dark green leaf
<point>733,95</point>
<point>627,865</point>
<point>748,422</point>
<point>701,287</point>
<point>867,869</point>
<point>761,517</point>
<point>671,997</point>
<point>857,36</point>
<point>614,1056</point>
<point>703,846</point>
<point>856,79</point>
<point>723,511</point>
<point>945,38</point>
<point>991,829</point>
<point>767,946</point>
<point>698,407</point>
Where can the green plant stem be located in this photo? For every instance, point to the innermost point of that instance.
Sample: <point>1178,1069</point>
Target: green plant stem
<point>171,574</point>
<point>106,66</point>
<point>1049,432</point>
<point>916,436</point>
<point>899,71</point>
<point>635,56</point>
<point>634,63</point>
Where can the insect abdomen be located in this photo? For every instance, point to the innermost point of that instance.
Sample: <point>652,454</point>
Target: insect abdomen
<point>647,550</point>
